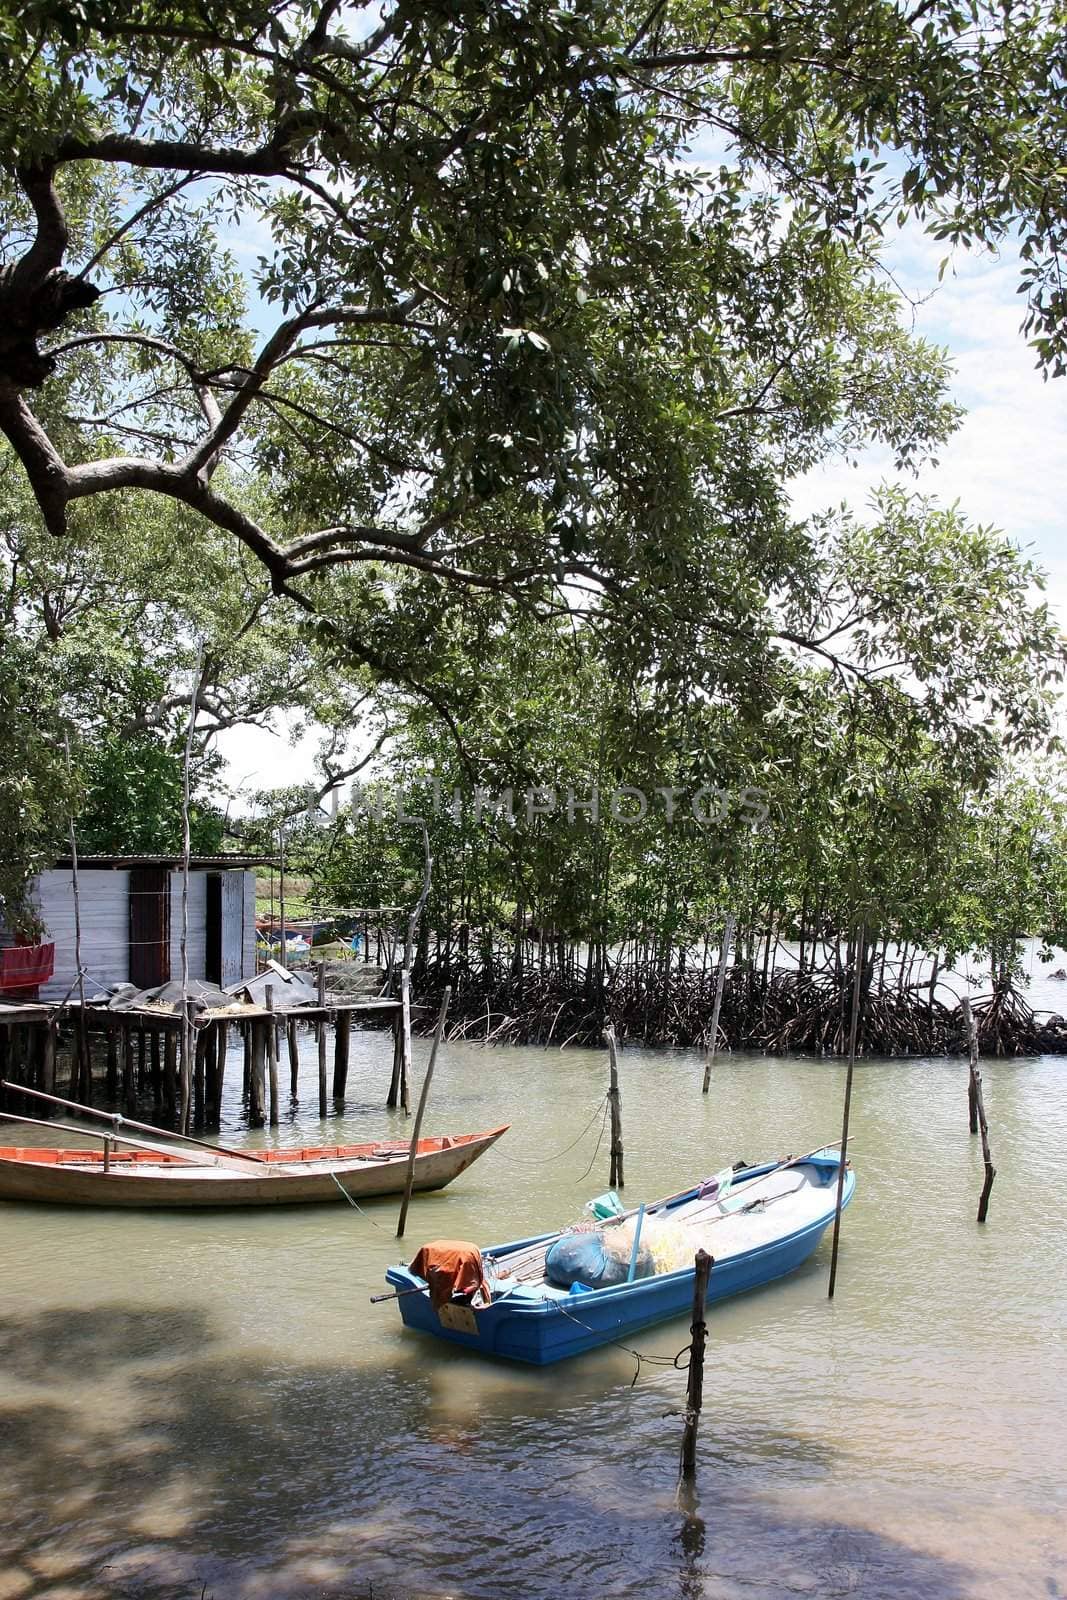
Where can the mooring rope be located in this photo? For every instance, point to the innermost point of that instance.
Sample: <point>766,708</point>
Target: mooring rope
<point>639,1356</point>
<point>356,1204</point>
<point>541,1161</point>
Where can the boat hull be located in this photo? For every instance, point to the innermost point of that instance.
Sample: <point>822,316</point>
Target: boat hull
<point>529,1328</point>
<point>150,1183</point>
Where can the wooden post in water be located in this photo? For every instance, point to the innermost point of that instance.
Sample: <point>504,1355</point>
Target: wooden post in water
<point>48,1057</point>
<point>170,1070</point>
<point>322,1041</point>
<point>694,1397</point>
<point>615,1177</point>
<point>978,1117</point>
<point>255,1075</point>
<point>341,1048</point>
<point>199,1076</point>
<point>156,1069</point>
<point>294,1057</point>
<point>112,1080</point>
<point>860,958</point>
<point>423,1097</point>
<point>272,1055</point>
<point>720,985</point>
<point>222,1044</point>
<point>971,1031</point>
<point>129,1099</point>
<point>405,1041</point>
<point>394,1082</point>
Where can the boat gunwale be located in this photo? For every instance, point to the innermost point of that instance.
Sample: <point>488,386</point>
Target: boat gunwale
<point>49,1157</point>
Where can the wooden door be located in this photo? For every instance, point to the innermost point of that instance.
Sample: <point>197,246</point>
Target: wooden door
<point>149,926</point>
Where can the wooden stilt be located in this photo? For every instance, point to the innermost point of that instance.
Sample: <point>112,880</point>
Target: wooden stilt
<point>48,1057</point>
<point>423,1097</point>
<point>978,1116</point>
<point>129,1067</point>
<point>156,1072</point>
<point>170,1070</point>
<point>112,1079</point>
<point>694,1398</point>
<point>294,1057</point>
<point>393,1096</point>
<point>199,1075</point>
<point>246,1041</point>
<point>142,1059</point>
<point>322,1042</point>
<point>720,985</point>
<point>342,1042</point>
<point>860,958</point>
<point>222,1045</point>
<point>272,1055</point>
<point>615,1177</point>
<point>255,1077</point>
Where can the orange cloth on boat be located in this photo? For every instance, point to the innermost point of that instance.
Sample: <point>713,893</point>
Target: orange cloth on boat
<point>450,1266</point>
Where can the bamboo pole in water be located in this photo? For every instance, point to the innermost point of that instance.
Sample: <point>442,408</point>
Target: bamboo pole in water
<point>694,1400</point>
<point>979,1122</point>
<point>615,1170</point>
<point>423,1097</point>
<point>720,985</point>
<point>859,957</point>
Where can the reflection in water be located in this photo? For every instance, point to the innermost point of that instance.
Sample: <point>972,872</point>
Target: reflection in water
<point>209,1402</point>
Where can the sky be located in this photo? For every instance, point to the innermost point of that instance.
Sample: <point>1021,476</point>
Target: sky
<point>1006,465</point>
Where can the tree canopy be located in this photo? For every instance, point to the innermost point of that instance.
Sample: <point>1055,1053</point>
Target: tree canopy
<point>504,337</point>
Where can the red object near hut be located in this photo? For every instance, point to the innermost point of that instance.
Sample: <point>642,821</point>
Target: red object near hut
<point>23,968</point>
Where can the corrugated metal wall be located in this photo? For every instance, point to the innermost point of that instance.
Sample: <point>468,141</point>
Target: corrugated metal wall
<point>105,918</point>
<point>197,943</point>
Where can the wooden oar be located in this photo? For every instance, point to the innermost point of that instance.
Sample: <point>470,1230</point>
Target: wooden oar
<point>118,1121</point>
<point>195,1159</point>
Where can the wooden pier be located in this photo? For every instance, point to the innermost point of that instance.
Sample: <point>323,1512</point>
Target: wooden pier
<point>121,1057</point>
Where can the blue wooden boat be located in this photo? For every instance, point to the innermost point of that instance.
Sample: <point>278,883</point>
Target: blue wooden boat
<point>757,1223</point>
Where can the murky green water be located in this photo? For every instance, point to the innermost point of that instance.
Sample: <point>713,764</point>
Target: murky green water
<point>208,1403</point>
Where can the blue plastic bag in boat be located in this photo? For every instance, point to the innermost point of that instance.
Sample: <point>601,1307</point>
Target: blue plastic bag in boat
<point>582,1258</point>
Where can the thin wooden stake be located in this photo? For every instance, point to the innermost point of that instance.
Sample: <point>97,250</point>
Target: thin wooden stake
<point>294,1057</point>
<point>694,1398</point>
<point>255,1075</point>
<point>405,1042</point>
<point>978,1108</point>
<point>860,959</point>
<point>186,1054</point>
<point>322,1041</point>
<point>272,1055</point>
<point>83,1072</point>
<point>615,1178</point>
<point>423,1097</point>
<point>222,1043</point>
<point>720,985</point>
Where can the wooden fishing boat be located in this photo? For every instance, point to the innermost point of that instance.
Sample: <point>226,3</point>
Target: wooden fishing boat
<point>757,1223</point>
<point>152,1176</point>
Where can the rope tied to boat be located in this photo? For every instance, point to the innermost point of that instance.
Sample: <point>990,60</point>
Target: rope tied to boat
<point>355,1203</point>
<point>639,1356</point>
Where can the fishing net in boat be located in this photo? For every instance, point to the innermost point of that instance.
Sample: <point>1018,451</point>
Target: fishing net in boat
<point>599,1257</point>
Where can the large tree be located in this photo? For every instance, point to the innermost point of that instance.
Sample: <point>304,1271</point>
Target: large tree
<point>503,336</point>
